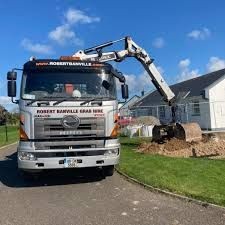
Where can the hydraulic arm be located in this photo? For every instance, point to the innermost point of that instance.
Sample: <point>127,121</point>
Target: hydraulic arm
<point>131,50</point>
<point>190,131</point>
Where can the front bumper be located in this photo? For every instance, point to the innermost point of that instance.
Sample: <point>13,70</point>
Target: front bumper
<point>58,162</point>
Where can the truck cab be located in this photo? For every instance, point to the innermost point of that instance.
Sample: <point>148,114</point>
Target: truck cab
<point>68,115</point>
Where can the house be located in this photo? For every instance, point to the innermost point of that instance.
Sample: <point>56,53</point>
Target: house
<point>125,108</point>
<point>201,100</point>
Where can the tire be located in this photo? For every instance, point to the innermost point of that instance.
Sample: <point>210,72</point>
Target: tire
<point>108,170</point>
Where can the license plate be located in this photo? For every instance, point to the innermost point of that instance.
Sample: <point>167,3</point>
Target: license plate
<point>70,163</point>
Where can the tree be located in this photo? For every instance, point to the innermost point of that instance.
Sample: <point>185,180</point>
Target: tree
<point>11,118</point>
<point>3,115</point>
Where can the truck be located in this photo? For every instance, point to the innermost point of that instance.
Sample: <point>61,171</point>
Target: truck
<point>69,109</point>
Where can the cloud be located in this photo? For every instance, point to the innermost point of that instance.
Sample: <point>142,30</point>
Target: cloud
<point>138,83</point>
<point>184,63</point>
<point>200,34</point>
<point>132,81</point>
<point>158,42</point>
<point>4,100</point>
<point>185,72</point>
<point>141,82</point>
<point>36,47</point>
<point>215,63</point>
<point>188,74</point>
<point>74,16</point>
<point>62,34</point>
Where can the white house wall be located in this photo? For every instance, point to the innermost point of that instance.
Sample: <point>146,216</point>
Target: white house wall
<point>216,93</point>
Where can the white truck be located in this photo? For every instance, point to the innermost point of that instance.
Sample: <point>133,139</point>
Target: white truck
<point>68,108</point>
<point>68,115</point>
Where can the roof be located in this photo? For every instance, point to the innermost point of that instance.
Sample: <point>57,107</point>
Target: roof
<point>190,88</point>
<point>127,103</point>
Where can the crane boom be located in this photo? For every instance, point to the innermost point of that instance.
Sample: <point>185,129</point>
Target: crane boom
<point>189,131</point>
<point>131,50</point>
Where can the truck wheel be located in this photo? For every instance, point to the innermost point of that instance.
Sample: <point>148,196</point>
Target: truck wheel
<point>108,170</point>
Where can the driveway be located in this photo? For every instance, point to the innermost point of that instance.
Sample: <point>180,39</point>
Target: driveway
<point>83,197</point>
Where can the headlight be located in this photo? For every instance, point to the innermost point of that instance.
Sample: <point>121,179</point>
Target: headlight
<point>112,152</point>
<point>26,156</point>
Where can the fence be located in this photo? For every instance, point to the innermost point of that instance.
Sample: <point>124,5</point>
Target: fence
<point>209,115</point>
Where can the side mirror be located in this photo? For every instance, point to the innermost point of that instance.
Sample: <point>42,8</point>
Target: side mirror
<point>12,88</point>
<point>125,92</point>
<point>11,75</point>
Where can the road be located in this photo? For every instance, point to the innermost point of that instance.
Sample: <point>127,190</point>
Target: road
<point>83,197</point>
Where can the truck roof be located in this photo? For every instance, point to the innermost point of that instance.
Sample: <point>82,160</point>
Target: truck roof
<point>57,64</point>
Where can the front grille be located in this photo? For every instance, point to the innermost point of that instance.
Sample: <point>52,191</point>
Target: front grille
<point>59,137</point>
<point>68,154</point>
<point>71,146</point>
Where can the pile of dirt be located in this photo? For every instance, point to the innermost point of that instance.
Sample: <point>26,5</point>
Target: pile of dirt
<point>146,120</point>
<point>212,147</point>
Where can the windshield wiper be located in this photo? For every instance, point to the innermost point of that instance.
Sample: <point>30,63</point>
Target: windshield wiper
<point>31,102</point>
<point>64,99</point>
<point>94,99</point>
<point>44,99</point>
<point>87,101</point>
<point>37,100</point>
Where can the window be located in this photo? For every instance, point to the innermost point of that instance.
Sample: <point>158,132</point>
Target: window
<point>195,108</point>
<point>162,112</point>
<point>150,111</point>
<point>143,112</point>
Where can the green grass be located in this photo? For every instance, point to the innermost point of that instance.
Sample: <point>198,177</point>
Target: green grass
<point>203,179</point>
<point>12,135</point>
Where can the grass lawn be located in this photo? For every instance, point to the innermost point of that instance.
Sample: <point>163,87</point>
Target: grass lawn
<point>203,179</point>
<point>12,135</point>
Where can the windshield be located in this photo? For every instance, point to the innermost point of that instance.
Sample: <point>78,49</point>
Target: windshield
<point>82,85</point>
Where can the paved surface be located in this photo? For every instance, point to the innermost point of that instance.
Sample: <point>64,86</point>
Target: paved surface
<point>85,198</point>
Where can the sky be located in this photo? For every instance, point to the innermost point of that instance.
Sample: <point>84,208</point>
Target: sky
<point>185,38</point>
